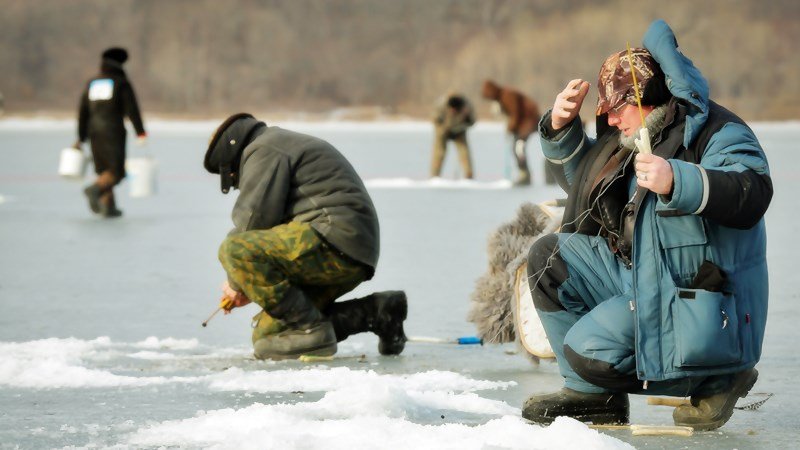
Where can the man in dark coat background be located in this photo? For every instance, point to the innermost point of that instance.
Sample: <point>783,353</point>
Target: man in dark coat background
<point>107,99</point>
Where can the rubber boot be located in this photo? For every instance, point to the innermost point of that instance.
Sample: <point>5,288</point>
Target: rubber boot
<point>264,325</point>
<point>523,178</point>
<point>713,411</point>
<point>108,206</point>
<point>599,409</point>
<point>308,331</point>
<point>382,313</point>
<point>523,175</point>
<point>93,193</point>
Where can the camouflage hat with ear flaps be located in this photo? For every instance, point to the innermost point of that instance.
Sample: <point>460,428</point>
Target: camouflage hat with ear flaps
<point>615,82</point>
<point>226,146</point>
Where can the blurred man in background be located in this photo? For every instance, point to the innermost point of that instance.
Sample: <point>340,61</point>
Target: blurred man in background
<point>453,117</point>
<point>523,116</point>
<point>305,233</point>
<point>106,101</point>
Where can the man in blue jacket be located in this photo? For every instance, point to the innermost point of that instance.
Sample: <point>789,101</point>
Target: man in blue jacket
<point>657,283</point>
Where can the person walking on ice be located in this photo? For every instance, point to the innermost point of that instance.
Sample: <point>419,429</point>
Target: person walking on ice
<point>107,99</point>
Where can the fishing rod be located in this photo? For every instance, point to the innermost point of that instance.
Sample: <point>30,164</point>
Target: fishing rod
<point>464,340</point>
<point>224,304</point>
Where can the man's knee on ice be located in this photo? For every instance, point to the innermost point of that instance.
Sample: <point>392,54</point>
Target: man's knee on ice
<point>600,364</point>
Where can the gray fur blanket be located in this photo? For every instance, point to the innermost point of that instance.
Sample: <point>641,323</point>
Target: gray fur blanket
<point>493,297</point>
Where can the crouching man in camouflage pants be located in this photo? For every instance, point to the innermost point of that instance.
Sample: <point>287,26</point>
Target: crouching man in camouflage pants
<point>306,232</point>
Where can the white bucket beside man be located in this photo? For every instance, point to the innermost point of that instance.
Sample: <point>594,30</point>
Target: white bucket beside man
<point>141,176</point>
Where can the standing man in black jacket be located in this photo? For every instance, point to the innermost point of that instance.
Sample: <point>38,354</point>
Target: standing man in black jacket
<point>305,233</point>
<point>106,101</point>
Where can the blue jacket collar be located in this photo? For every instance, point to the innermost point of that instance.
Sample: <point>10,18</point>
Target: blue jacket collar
<point>684,80</point>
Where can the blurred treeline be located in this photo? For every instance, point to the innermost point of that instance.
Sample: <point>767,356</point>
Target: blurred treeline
<point>202,58</point>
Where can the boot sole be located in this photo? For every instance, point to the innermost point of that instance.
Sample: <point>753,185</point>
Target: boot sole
<point>323,350</point>
<point>740,392</point>
<point>599,418</point>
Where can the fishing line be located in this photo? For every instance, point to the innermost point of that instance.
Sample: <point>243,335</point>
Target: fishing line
<point>587,213</point>
<point>582,217</point>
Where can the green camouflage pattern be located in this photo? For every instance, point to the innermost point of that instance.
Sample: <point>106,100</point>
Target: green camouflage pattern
<point>265,263</point>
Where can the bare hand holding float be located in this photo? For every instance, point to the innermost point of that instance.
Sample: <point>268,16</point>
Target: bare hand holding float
<point>654,173</point>
<point>231,298</point>
<point>236,298</point>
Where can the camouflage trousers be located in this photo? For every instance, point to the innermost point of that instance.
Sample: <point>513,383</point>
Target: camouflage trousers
<point>265,263</point>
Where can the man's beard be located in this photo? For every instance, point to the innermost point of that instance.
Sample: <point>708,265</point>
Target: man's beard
<point>654,122</point>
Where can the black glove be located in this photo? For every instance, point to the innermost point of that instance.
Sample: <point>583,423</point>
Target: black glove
<point>709,278</point>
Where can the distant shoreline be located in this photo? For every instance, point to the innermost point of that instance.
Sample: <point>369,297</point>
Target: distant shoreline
<point>178,124</point>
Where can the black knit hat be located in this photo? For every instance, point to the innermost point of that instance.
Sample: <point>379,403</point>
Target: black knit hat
<point>117,54</point>
<point>225,149</point>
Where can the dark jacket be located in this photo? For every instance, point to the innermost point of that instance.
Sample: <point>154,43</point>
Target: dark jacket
<point>722,189</point>
<point>286,176</point>
<point>522,112</point>
<point>107,99</point>
<point>454,116</point>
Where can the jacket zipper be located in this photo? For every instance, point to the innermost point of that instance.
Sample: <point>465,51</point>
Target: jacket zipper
<point>655,143</point>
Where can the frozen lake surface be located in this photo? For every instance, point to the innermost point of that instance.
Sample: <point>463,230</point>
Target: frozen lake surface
<point>100,337</point>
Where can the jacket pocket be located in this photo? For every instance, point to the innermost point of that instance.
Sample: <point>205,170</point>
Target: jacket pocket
<point>706,328</point>
<point>676,229</point>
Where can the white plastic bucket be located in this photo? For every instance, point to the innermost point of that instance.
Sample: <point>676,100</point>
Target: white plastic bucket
<point>141,174</point>
<point>72,163</point>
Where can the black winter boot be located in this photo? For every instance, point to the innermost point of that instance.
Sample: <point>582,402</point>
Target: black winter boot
<point>596,408</point>
<point>108,205</point>
<point>713,411</point>
<point>93,194</point>
<point>382,313</point>
<point>308,331</point>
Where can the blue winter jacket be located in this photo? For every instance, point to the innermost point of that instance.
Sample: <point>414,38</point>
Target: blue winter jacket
<point>715,213</point>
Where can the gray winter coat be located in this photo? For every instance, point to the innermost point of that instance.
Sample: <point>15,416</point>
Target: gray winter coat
<point>286,176</point>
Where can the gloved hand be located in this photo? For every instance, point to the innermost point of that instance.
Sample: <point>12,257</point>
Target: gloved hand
<point>643,141</point>
<point>141,140</point>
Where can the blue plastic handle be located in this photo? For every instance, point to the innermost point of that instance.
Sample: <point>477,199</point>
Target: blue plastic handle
<point>469,340</point>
